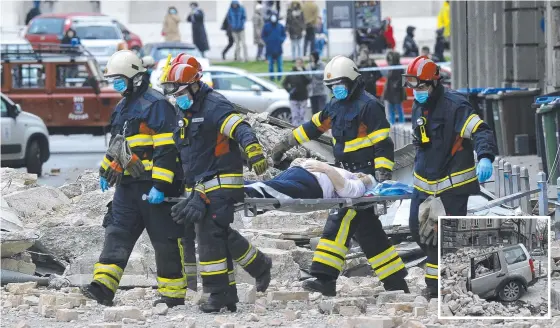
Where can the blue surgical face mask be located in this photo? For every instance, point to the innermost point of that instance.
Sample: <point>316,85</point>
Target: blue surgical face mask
<point>184,102</point>
<point>273,19</point>
<point>173,11</point>
<point>421,96</point>
<point>340,92</point>
<point>119,85</point>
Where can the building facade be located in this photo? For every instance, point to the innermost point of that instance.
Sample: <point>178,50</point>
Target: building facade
<point>483,232</point>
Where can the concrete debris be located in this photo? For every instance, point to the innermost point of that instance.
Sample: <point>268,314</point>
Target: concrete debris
<point>16,242</point>
<point>36,201</point>
<point>22,288</point>
<point>247,293</point>
<point>457,301</point>
<point>288,296</point>
<point>161,309</point>
<point>19,263</point>
<point>115,314</point>
<point>66,315</point>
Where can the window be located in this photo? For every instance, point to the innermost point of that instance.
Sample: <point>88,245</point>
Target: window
<point>47,25</point>
<point>25,76</point>
<point>476,240</point>
<point>4,108</point>
<point>489,223</point>
<point>463,224</point>
<point>489,239</point>
<point>73,76</point>
<point>231,82</point>
<point>514,255</point>
<point>475,223</point>
<point>106,32</point>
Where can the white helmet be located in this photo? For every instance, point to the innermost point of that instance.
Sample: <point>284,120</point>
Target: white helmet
<point>124,63</point>
<point>148,61</point>
<point>340,68</point>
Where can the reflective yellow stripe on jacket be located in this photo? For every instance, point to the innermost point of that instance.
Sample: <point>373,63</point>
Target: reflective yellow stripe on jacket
<point>230,181</point>
<point>455,180</point>
<point>140,140</point>
<point>367,141</point>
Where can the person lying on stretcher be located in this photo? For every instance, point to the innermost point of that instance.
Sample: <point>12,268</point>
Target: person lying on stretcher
<point>311,179</point>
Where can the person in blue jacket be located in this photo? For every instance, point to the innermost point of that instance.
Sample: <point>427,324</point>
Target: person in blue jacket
<point>447,134</point>
<point>274,35</point>
<point>237,17</point>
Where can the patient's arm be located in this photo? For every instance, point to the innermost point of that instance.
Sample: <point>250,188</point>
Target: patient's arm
<point>345,186</point>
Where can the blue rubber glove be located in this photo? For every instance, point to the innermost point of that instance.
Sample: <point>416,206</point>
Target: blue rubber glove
<point>155,196</point>
<point>103,184</point>
<point>484,169</point>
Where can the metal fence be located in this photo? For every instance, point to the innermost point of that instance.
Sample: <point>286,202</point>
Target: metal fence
<point>401,135</point>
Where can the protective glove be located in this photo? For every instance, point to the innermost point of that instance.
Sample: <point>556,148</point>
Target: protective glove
<point>114,174</point>
<point>155,196</point>
<point>192,210</point>
<point>281,148</point>
<point>135,166</point>
<point>103,184</point>
<point>257,161</point>
<point>484,169</point>
<point>383,174</point>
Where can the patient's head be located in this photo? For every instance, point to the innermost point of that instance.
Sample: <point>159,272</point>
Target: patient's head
<point>367,179</point>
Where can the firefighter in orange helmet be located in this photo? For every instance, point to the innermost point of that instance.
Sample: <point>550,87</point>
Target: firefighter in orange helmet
<point>447,133</point>
<point>208,137</point>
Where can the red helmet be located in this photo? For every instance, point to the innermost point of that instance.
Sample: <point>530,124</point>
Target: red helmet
<point>180,75</point>
<point>184,58</point>
<point>422,70</point>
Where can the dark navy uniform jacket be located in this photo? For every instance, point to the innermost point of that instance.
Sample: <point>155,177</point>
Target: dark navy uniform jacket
<point>360,132</point>
<point>147,121</point>
<point>208,136</point>
<point>452,126</point>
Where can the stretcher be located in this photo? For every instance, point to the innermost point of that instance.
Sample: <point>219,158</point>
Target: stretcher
<point>253,206</point>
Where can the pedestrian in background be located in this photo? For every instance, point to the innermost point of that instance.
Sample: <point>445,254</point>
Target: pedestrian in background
<point>444,22</point>
<point>393,92</point>
<point>274,35</point>
<point>296,85</point>
<point>35,11</point>
<point>425,51</point>
<point>311,15</point>
<point>320,36</point>
<point>236,19</point>
<point>196,18</point>
<point>388,34</point>
<point>410,49</point>
<point>258,24</point>
<point>170,30</point>
<point>295,24</point>
<point>439,47</point>
<point>227,29</point>
<point>317,89</point>
<point>369,78</point>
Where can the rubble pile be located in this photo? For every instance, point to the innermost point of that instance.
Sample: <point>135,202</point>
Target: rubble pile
<point>457,301</point>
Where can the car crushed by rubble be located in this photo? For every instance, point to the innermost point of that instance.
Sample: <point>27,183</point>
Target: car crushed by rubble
<point>505,273</point>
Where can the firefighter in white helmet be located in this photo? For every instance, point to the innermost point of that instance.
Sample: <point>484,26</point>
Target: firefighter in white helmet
<point>361,144</point>
<point>146,120</point>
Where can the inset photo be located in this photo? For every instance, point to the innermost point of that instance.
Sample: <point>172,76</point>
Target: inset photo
<point>494,267</point>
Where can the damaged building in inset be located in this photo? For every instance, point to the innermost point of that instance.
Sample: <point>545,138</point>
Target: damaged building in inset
<point>485,232</point>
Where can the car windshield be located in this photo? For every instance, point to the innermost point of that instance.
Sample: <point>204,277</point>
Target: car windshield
<point>162,53</point>
<point>46,26</point>
<point>97,32</point>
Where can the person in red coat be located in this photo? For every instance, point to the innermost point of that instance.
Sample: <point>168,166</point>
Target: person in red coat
<point>389,38</point>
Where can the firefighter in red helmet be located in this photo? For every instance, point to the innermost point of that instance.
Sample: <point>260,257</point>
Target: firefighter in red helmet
<point>447,133</point>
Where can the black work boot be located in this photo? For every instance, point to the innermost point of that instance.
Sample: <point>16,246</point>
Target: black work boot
<point>98,292</point>
<point>264,279</point>
<point>170,301</point>
<point>396,284</point>
<point>217,301</point>
<point>325,287</point>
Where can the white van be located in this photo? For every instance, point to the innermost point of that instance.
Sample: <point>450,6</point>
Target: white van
<point>25,138</point>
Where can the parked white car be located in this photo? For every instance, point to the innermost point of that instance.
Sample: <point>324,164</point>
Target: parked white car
<point>101,36</point>
<point>25,138</point>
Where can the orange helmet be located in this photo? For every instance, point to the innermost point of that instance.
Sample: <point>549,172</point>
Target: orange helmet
<point>184,58</point>
<point>180,75</point>
<point>421,70</point>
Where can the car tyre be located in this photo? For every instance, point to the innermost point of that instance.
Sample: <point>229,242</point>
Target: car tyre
<point>511,291</point>
<point>33,160</point>
<point>283,114</point>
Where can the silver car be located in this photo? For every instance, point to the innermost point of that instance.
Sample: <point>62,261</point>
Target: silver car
<point>243,88</point>
<point>505,273</point>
